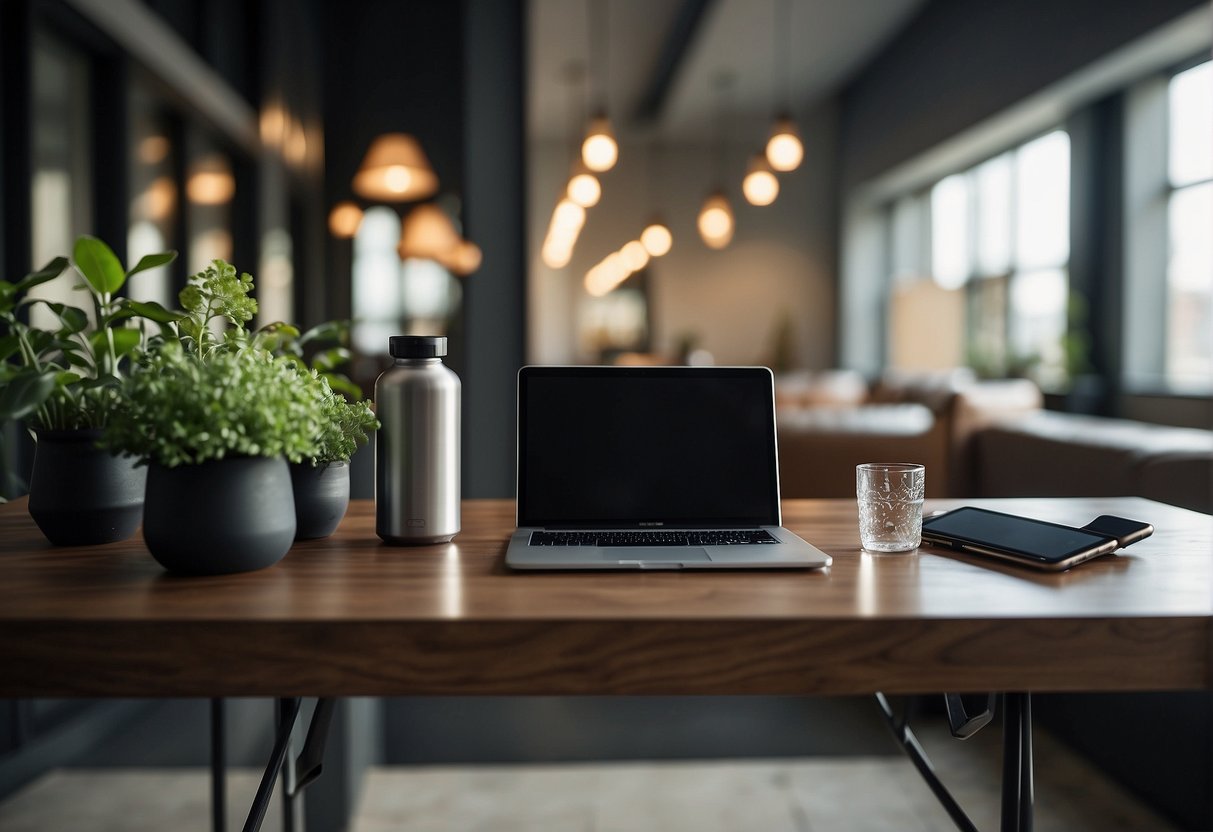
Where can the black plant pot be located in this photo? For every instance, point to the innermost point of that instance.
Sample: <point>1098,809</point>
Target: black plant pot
<point>228,515</point>
<point>322,494</point>
<point>80,494</point>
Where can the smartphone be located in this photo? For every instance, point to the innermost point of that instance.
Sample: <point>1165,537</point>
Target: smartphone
<point>1020,540</point>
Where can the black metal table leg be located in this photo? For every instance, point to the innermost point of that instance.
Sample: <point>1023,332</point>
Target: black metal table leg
<point>1017,786</point>
<point>218,768</point>
<point>290,795</point>
<point>288,712</point>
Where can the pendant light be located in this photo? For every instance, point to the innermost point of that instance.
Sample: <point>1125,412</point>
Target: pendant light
<point>395,170</point>
<point>715,221</point>
<point>344,220</point>
<point>784,149</point>
<point>760,185</point>
<point>656,238</point>
<point>599,150</point>
<point>584,189</point>
<point>428,233</point>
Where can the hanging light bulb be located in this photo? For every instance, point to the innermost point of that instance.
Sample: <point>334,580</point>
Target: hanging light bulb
<point>395,170</point>
<point>784,149</point>
<point>344,220</point>
<point>656,239</point>
<point>584,189</point>
<point>760,185</point>
<point>716,221</point>
<point>599,151</point>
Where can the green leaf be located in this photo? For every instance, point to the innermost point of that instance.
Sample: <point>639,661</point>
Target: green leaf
<point>331,359</point>
<point>125,340</point>
<point>328,331</point>
<point>99,265</point>
<point>341,384</point>
<point>152,261</point>
<point>48,272</point>
<point>73,318</point>
<point>24,394</point>
<point>66,377</point>
<point>9,344</point>
<point>153,311</point>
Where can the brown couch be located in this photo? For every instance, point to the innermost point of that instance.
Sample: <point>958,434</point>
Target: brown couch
<point>926,418</point>
<point>979,439</point>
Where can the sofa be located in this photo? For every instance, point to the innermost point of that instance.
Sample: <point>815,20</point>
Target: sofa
<point>978,438</point>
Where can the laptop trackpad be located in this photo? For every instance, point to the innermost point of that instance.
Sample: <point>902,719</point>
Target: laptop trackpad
<point>674,554</point>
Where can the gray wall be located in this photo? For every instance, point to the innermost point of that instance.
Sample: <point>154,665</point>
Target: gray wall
<point>959,62</point>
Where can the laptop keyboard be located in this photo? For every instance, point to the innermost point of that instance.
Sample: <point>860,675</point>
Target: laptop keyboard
<point>714,537</point>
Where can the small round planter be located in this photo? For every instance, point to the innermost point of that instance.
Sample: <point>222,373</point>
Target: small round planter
<point>322,495</point>
<point>80,494</point>
<point>219,517</point>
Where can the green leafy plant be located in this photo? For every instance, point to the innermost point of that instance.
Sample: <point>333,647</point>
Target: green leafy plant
<point>182,408</point>
<point>328,343</point>
<point>197,395</point>
<point>344,425</point>
<point>66,378</point>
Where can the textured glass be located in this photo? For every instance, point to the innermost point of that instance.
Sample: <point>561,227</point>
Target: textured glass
<point>890,505</point>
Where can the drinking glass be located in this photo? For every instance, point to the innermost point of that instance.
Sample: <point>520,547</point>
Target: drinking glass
<point>890,505</point>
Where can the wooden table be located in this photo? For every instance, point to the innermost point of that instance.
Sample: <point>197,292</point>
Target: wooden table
<point>349,616</point>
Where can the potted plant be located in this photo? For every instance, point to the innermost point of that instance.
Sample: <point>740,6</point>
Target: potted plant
<point>322,482</point>
<point>64,382</point>
<point>216,418</point>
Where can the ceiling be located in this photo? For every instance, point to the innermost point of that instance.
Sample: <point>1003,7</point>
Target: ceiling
<point>829,41</point>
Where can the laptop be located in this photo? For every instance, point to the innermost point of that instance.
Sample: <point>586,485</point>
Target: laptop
<point>650,468</point>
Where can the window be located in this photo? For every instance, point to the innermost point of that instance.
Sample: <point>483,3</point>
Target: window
<point>999,238</point>
<point>1189,286</point>
<point>154,200</point>
<point>61,189</point>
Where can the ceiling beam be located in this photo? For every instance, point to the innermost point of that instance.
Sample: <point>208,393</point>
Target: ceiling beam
<point>674,49</point>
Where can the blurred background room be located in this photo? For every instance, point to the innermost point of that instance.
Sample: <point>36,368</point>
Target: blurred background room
<point>976,234</point>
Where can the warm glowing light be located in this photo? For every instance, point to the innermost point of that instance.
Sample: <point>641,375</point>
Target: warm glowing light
<point>634,256</point>
<point>211,182</point>
<point>657,239</point>
<point>585,190</point>
<point>395,170</point>
<point>556,256</point>
<point>760,185</point>
<point>599,151</point>
<point>396,179</point>
<point>273,125</point>
<point>466,259</point>
<point>568,214</point>
<point>296,142</point>
<point>428,233</point>
<point>344,220</point>
<point>784,149</point>
<point>153,149</point>
<point>716,221</point>
<point>158,201</point>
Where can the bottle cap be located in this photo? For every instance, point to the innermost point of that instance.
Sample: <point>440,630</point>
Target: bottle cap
<point>416,346</point>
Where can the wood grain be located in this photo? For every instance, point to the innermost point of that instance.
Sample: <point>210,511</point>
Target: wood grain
<point>349,615</point>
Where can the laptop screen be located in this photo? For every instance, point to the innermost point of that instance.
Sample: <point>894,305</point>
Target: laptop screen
<point>646,447</point>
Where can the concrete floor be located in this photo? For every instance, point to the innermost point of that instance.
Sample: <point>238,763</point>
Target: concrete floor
<point>855,793</point>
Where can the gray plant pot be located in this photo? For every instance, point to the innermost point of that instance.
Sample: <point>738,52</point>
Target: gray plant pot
<point>322,495</point>
<point>228,515</point>
<point>82,495</point>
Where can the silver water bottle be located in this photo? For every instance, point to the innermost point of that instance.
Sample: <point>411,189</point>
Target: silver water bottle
<point>417,446</point>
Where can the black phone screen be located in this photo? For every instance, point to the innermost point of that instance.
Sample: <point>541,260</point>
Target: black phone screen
<point>1035,539</point>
